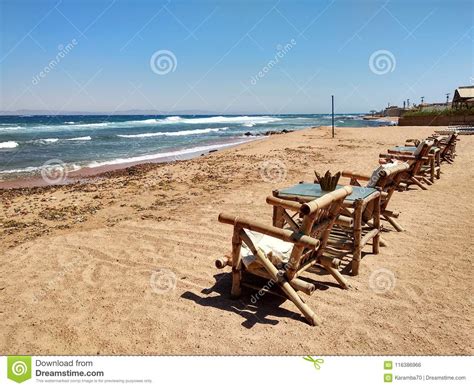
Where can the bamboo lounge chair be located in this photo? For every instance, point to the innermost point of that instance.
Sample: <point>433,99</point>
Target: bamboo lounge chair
<point>419,162</point>
<point>447,144</point>
<point>281,255</point>
<point>386,179</point>
<point>448,148</point>
<point>432,168</point>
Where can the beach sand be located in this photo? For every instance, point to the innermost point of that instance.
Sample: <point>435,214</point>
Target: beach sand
<point>124,264</point>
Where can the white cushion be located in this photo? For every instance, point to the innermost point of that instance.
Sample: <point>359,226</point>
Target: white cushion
<point>271,246</point>
<point>374,179</point>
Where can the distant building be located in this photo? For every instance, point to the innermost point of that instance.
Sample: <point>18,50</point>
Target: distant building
<point>436,106</point>
<point>463,97</point>
<point>393,111</point>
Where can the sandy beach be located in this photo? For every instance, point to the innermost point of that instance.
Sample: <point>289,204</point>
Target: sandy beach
<point>79,262</point>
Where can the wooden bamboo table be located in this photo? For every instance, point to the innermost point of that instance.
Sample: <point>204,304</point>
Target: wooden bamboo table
<point>434,159</point>
<point>356,203</point>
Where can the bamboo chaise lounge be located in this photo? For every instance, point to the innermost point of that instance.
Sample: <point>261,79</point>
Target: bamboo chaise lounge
<point>447,145</point>
<point>431,169</point>
<point>386,178</point>
<point>420,166</point>
<point>281,256</point>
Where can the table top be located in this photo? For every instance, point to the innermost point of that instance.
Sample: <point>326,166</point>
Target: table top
<point>313,190</point>
<point>404,148</point>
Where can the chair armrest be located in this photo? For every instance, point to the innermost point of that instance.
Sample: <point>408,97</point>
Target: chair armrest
<point>402,157</point>
<point>284,203</point>
<point>273,231</point>
<point>400,152</point>
<point>350,174</point>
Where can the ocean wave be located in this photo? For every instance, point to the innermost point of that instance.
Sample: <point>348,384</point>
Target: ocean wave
<point>11,128</point>
<point>9,144</point>
<point>51,140</point>
<point>179,133</point>
<point>71,125</point>
<point>169,154</point>
<point>223,119</point>
<point>82,138</point>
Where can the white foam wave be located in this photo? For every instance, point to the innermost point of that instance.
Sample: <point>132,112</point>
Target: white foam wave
<point>11,128</point>
<point>169,154</point>
<point>71,125</point>
<point>51,140</point>
<point>83,138</point>
<point>55,140</point>
<point>180,133</point>
<point>9,144</point>
<point>222,119</point>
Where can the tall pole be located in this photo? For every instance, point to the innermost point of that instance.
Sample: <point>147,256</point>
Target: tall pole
<point>332,103</point>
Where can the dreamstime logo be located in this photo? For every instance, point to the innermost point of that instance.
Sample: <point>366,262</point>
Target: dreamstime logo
<point>163,281</point>
<point>63,51</point>
<point>382,62</point>
<point>163,62</point>
<point>19,368</point>
<point>282,50</point>
<point>273,171</point>
<point>382,280</point>
<point>54,171</point>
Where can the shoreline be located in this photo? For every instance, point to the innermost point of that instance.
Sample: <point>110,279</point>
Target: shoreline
<point>84,174</point>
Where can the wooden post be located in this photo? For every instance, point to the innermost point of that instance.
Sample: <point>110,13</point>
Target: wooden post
<point>357,255</point>
<point>376,240</point>
<point>236,264</point>
<point>278,220</point>
<point>332,103</point>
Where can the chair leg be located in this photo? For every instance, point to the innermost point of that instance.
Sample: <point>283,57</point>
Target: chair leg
<point>418,183</point>
<point>427,181</point>
<point>236,264</point>
<point>337,275</point>
<point>286,288</point>
<point>394,223</point>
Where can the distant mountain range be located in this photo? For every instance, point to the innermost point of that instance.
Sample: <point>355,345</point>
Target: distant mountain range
<point>131,112</point>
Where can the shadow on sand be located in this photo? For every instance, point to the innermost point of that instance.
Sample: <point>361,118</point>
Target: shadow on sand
<point>255,308</point>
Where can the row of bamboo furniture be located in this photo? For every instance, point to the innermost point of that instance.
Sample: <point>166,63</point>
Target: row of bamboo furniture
<point>314,229</point>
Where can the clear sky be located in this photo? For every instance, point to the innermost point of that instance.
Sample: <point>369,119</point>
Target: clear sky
<point>108,55</point>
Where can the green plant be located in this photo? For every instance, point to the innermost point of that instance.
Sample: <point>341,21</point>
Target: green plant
<point>444,112</point>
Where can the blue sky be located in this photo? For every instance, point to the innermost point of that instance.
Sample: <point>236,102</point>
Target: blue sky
<point>218,49</point>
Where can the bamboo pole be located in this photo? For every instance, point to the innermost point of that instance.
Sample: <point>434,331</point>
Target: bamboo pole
<point>282,234</point>
<point>223,262</point>
<point>368,236</point>
<point>278,217</point>
<point>291,205</point>
<point>350,174</point>
<point>418,183</point>
<point>236,290</point>
<point>339,278</point>
<point>376,238</point>
<point>394,223</point>
<point>357,255</point>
